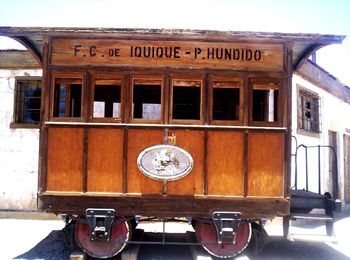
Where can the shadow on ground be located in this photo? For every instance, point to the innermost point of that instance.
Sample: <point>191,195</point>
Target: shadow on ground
<point>57,246</point>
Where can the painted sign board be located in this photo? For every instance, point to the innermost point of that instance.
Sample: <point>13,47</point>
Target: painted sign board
<point>219,55</point>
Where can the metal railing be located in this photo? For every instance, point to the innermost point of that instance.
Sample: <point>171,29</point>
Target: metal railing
<point>333,167</point>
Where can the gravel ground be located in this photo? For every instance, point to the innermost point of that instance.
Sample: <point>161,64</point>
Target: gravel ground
<point>46,239</point>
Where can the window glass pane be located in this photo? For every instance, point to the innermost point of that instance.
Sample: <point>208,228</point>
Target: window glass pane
<point>186,100</point>
<point>265,105</point>
<point>28,99</point>
<point>67,98</point>
<point>107,99</point>
<point>147,100</point>
<point>309,112</point>
<point>226,103</point>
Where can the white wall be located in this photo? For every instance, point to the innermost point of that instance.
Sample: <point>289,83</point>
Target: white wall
<point>335,117</point>
<point>19,149</point>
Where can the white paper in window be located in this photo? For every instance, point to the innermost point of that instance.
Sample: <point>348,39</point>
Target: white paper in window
<point>151,111</point>
<point>271,105</point>
<point>99,109</point>
<point>116,110</point>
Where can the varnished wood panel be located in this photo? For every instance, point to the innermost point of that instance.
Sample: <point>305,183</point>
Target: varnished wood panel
<point>225,163</point>
<point>192,142</point>
<point>138,140</point>
<point>166,206</point>
<point>229,55</point>
<point>265,164</point>
<point>105,160</point>
<point>64,159</point>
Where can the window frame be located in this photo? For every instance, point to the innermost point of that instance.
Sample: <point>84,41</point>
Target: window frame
<point>226,81</point>
<point>72,75</point>
<point>302,91</point>
<point>104,76</point>
<point>15,122</point>
<point>179,77</point>
<point>267,84</point>
<point>146,78</point>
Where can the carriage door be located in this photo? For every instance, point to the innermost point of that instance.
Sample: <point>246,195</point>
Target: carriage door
<point>333,170</point>
<point>347,168</point>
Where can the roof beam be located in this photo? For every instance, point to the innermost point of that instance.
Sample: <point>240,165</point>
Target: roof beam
<point>31,48</point>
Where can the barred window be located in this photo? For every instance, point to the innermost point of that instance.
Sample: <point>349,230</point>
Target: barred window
<point>309,111</point>
<point>27,100</point>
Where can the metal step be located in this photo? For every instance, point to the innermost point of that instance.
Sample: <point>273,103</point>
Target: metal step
<point>315,217</point>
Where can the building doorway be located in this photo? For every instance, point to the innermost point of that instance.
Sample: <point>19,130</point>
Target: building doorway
<point>347,168</point>
<point>333,171</point>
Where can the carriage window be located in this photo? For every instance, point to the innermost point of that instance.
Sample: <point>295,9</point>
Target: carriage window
<point>67,99</point>
<point>265,103</point>
<point>226,101</point>
<point>147,99</point>
<point>107,99</point>
<point>186,99</point>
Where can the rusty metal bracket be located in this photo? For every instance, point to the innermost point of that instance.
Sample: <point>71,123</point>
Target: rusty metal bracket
<point>226,224</point>
<point>100,222</point>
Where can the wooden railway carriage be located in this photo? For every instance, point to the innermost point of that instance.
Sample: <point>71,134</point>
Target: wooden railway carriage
<point>165,123</point>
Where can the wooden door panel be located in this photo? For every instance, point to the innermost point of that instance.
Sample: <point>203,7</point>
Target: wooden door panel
<point>192,142</point>
<point>65,159</point>
<point>225,163</point>
<point>265,164</point>
<point>105,160</point>
<point>138,140</point>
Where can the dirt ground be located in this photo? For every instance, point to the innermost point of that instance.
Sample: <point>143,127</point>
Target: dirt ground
<point>46,239</point>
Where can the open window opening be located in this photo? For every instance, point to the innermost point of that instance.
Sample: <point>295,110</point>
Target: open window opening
<point>226,101</point>
<point>186,100</point>
<point>147,99</point>
<point>67,98</point>
<point>107,96</point>
<point>265,103</point>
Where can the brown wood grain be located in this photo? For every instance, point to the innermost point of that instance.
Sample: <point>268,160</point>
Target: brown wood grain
<point>192,142</point>
<point>105,160</point>
<point>188,53</point>
<point>65,159</point>
<point>225,163</point>
<point>265,164</point>
<point>138,140</point>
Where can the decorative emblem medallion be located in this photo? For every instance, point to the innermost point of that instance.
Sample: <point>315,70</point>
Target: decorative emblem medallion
<point>165,162</point>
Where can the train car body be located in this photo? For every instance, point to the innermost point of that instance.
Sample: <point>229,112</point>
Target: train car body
<point>168,124</point>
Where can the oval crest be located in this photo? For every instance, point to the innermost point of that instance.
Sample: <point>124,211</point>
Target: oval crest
<point>165,162</point>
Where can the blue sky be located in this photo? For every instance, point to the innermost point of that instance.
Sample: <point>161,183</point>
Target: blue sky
<point>292,16</point>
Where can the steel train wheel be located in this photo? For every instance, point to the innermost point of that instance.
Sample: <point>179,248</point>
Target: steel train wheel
<point>120,235</point>
<point>206,235</point>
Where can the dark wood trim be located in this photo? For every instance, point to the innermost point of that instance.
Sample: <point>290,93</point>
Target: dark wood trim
<point>165,206</point>
<point>85,159</point>
<point>44,115</point>
<point>125,160</point>
<point>205,163</point>
<point>288,114</point>
<point>167,82</point>
<point>245,163</point>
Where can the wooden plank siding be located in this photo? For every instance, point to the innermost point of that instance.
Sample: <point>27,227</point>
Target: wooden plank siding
<point>265,164</point>
<point>105,160</point>
<point>237,159</point>
<point>64,159</point>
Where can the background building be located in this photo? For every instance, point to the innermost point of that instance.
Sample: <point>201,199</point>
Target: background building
<point>20,84</point>
<point>321,109</point>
